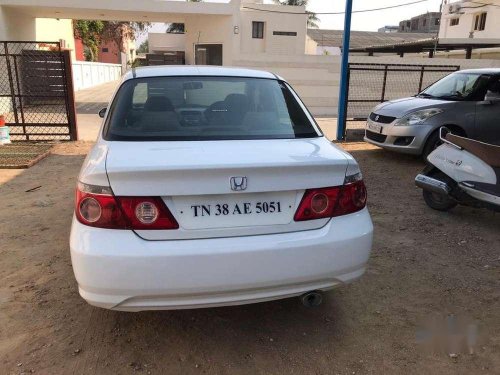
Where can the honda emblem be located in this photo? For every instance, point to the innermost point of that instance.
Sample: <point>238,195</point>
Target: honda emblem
<point>238,183</point>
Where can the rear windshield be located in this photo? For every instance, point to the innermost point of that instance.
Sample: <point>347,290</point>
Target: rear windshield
<point>206,108</point>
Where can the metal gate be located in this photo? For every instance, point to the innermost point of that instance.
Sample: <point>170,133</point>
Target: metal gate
<point>36,91</point>
<point>371,84</point>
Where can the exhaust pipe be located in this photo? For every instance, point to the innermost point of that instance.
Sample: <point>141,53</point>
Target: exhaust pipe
<point>431,184</point>
<point>311,299</point>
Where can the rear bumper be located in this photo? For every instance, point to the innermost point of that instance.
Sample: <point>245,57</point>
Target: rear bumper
<point>116,269</point>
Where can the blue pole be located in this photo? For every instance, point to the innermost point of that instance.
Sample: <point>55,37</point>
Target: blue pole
<point>343,71</point>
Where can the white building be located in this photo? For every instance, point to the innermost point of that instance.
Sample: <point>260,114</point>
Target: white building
<point>471,22</point>
<point>221,32</point>
<point>239,33</point>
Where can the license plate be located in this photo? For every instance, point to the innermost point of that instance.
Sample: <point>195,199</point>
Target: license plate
<point>234,210</point>
<point>377,128</point>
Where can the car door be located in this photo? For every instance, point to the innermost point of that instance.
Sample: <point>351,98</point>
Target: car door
<point>487,123</point>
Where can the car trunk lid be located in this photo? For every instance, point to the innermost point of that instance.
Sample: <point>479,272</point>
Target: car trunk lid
<point>201,182</point>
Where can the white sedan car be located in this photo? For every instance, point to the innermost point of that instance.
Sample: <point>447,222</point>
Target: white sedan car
<point>213,186</point>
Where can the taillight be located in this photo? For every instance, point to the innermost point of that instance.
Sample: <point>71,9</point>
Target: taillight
<point>147,213</point>
<point>332,201</point>
<point>96,206</point>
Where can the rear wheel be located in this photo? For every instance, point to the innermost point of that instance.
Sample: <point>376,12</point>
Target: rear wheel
<point>437,201</point>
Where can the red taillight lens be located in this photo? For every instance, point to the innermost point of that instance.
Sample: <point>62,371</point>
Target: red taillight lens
<point>352,199</point>
<point>98,209</point>
<point>332,201</point>
<point>147,213</point>
<point>96,206</point>
<point>313,199</point>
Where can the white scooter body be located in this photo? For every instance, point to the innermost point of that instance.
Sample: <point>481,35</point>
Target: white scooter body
<point>463,167</point>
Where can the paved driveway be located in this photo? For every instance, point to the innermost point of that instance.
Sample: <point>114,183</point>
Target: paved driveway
<point>88,103</point>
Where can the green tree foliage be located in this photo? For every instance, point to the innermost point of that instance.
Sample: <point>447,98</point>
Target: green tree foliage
<point>90,32</point>
<point>312,19</point>
<point>178,28</point>
<point>144,47</point>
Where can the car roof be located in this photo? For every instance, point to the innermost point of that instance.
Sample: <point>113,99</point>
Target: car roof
<point>196,70</point>
<point>482,71</point>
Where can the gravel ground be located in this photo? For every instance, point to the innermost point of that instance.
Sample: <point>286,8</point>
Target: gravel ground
<point>428,269</point>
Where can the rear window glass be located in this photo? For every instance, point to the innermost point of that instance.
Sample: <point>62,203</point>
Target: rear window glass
<point>206,108</point>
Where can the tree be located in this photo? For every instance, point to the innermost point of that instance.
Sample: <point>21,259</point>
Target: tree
<point>312,19</point>
<point>144,47</point>
<point>178,28</point>
<point>120,32</point>
<point>90,32</point>
<point>175,28</point>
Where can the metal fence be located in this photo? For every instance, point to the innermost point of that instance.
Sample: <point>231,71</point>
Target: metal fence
<point>36,91</point>
<point>371,84</point>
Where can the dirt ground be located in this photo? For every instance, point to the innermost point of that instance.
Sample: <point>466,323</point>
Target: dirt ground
<point>426,266</point>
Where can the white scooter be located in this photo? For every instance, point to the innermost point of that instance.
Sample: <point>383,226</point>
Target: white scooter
<point>461,171</point>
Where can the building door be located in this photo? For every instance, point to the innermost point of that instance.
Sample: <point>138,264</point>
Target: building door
<point>208,54</point>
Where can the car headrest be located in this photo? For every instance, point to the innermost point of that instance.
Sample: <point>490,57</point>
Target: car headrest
<point>237,102</point>
<point>158,103</point>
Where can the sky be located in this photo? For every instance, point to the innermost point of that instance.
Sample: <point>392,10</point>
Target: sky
<point>370,21</point>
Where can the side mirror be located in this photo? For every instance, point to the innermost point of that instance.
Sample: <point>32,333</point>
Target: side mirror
<point>102,112</point>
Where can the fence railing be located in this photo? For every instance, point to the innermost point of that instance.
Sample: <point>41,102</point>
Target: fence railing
<point>36,91</point>
<point>370,84</point>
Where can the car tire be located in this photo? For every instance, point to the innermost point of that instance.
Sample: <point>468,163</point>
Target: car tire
<point>432,143</point>
<point>436,201</point>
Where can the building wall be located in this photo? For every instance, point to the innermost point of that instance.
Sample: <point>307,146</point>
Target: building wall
<point>423,23</point>
<point>314,77</point>
<point>466,17</point>
<point>88,74</point>
<point>109,53</point>
<point>203,29</point>
<point>54,30</point>
<point>274,22</point>
<point>15,25</point>
<point>235,33</point>
<point>166,42</point>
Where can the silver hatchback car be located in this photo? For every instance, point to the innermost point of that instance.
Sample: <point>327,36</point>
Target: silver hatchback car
<point>467,102</point>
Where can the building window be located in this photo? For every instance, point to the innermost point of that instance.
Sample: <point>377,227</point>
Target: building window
<point>257,30</point>
<point>285,33</point>
<point>480,22</point>
<point>105,49</point>
<point>454,21</point>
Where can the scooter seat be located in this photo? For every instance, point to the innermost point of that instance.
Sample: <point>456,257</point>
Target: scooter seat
<point>490,154</point>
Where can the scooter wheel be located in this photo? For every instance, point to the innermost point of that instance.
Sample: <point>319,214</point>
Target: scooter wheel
<point>438,202</point>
